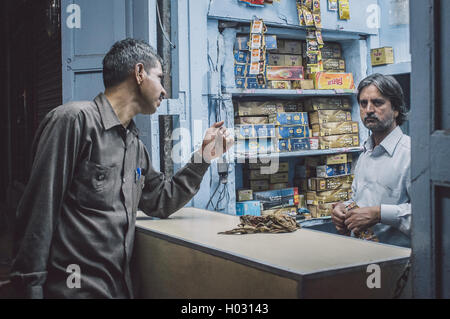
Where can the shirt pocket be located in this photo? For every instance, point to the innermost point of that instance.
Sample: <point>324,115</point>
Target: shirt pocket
<point>390,183</point>
<point>139,186</point>
<point>95,186</point>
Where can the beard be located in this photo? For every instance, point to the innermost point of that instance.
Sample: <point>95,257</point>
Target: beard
<point>376,125</point>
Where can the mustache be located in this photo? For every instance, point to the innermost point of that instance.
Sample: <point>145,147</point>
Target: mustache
<point>371,117</point>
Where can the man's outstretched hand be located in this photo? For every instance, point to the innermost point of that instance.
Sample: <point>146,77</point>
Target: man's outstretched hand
<point>217,141</point>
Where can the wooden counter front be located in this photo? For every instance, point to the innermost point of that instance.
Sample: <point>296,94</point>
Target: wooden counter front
<point>185,257</point>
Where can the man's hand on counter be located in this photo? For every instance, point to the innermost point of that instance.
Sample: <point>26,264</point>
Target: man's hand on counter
<point>217,141</point>
<point>360,219</point>
<point>338,218</point>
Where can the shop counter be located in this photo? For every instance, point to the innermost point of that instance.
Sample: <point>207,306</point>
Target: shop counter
<point>185,257</point>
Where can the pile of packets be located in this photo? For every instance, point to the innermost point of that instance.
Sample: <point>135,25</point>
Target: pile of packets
<point>289,126</point>
<point>326,180</point>
<point>267,194</point>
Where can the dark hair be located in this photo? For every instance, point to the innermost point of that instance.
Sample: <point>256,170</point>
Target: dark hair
<point>389,88</point>
<point>122,58</point>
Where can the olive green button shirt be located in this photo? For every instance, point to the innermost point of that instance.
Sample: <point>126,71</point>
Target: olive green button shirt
<point>89,176</point>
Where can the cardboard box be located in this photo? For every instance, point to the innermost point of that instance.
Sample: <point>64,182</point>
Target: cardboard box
<point>271,42</point>
<point>333,170</point>
<point>327,116</point>
<point>324,103</point>
<point>278,198</point>
<point>276,59</point>
<point>244,131</point>
<point>247,146</point>
<point>335,128</point>
<point>331,51</point>
<point>241,57</point>
<point>299,144</point>
<point>279,178</point>
<point>284,73</point>
<point>316,198</point>
<point>252,83</point>
<point>246,108</point>
<point>382,56</point>
<point>252,208</point>
<point>314,143</point>
<point>293,60</point>
<point>282,166</point>
<point>338,141</point>
<point>265,146</point>
<point>278,186</point>
<point>290,131</point>
<point>330,183</point>
<point>240,82</point>
<point>334,81</point>
<point>256,175</point>
<point>280,85</point>
<point>289,118</point>
<point>292,47</point>
<point>337,159</point>
<point>337,65</point>
<point>258,186</point>
<point>321,210</point>
<point>240,69</point>
<point>241,43</point>
<point>303,85</point>
<point>244,195</point>
<point>264,130</point>
<point>251,120</point>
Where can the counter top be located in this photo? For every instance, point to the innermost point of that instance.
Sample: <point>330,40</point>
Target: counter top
<point>304,252</point>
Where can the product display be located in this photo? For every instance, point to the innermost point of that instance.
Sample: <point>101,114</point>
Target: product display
<point>244,195</point>
<point>327,116</point>
<point>335,128</point>
<point>382,56</point>
<point>339,141</point>
<point>330,183</point>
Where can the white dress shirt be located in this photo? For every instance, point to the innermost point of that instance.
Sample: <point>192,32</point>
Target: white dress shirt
<point>383,178</point>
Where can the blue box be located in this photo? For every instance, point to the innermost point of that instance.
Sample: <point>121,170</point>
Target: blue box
<point>241,43</point>
<point>252,208</point>
<point>240,82</point>
<point>290,131</point>
<point>252,83</point>
<point>244,131</point>
<point>283,145</point>
<point>333,170</point>
<point>291,118</point>
<point>240,69</point>
<point>265,145</point>
<point>265,130</point>
<point>271,42</point>
<point>299,144</point>
<point>241,57</point>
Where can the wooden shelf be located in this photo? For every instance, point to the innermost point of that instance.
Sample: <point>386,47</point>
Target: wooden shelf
<point>241,158</point>
<point>291,94</point>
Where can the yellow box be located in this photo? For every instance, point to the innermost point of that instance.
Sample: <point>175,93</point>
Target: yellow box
<point>334,81</point>
<point>327,116</point>
<point>382,56</point>
<point>244,195</point>
<point>251,120</point>
<point>332,196</point>
<point>281,85</point>
<point>303,85</point>
<point>321,210</point>
<point>338,141</point>
<point>277,59</point>
<point>335,128</point>
<point>330,183</point>
<point>290,211</point>
<point>326,103</point>
<point>337,159</point>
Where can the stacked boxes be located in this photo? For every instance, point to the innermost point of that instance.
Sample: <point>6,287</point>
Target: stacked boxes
<point>285,65</point>
<point>332,183</point>
<point>258,179</point>
<point>331,122</point>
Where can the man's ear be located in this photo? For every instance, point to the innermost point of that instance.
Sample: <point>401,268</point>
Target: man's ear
<point>139,72</point>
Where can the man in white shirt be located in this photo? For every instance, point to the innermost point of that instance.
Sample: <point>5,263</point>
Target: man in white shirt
<point>381,187</point>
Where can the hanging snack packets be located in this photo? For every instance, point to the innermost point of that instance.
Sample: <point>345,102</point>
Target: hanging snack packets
<point>309,19</point>
<point>256,55</point>
<point>256,41</point>
<point>319,38</point>
<point>257,27</point>
<point>316,6</point>
<point>312,45</point>
<point>317,20</point>
<point>344,10</point>
<point>301,17</point>
<point>308,4</point>
<point>333,5</point>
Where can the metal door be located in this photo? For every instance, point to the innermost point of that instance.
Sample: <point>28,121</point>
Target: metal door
<point>430,132</point>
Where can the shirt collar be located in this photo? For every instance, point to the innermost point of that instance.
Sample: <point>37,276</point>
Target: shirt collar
<point>389,143</point>
<point>109,116</point>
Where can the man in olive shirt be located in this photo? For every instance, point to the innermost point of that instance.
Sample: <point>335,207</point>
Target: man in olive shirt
<point>89,176</point>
